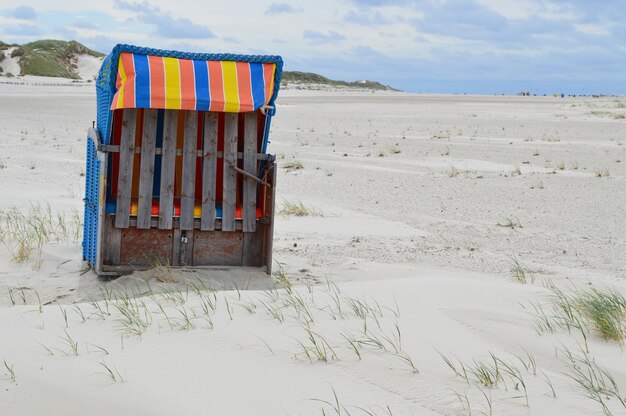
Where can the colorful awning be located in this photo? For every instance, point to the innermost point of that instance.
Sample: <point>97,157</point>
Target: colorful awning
<point>146,81</point>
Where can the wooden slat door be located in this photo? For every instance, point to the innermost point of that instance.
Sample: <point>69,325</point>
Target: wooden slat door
<point>125,178</point>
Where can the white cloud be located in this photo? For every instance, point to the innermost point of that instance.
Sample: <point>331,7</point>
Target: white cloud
<point>593,29</point>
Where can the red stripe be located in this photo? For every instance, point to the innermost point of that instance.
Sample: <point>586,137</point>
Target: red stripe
<point>114,103</point>
<point>118,84</point>
<point>246,102</point>
<point>157,82</point>
<point>216,86</point>
<point>129,87</point>
<point>187,85</point>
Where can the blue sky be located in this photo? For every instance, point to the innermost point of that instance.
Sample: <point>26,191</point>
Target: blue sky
<point>472,46</point>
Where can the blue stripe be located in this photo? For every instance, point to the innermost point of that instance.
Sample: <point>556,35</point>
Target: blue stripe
<point>258,84</point>
<point>142,81</point>
<point>203,98</point>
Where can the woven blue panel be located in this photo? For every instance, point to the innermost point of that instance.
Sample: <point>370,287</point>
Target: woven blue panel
<point>92,185</point>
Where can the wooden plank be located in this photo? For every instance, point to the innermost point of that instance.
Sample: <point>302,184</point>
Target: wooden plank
<point>125,178</point>
<point>179,152</point>
<point>146,172</point>
<point>253,243</point>
<point>186,248</point>
<point>196,223</point>
<point>221,271</point>
<point>168,165</point>
<point>176,233</point>
<point>270,202</point>
<point>182,247</point>
<point>111,243</point>
<point>209,171</point>
<point>230,176</point>
<point>250,166</point>
<point>189,170</point>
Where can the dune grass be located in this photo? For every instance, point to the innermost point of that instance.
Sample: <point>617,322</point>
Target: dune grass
<point>491,373</point>
<point>519,273</point>
<point>603,310</point>
<point>293,165</point>
<point>594,381</point>
<point>298,209</point>
<point>10,370</point>
<point>25,231</point>
<point>112,373</point>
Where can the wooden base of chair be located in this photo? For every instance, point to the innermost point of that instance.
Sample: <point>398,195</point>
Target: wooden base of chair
<point>130,249</point>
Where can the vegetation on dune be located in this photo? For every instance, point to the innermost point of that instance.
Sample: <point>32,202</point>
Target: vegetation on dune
<point>297,77</point>
<point>599,309</point>
<point>298,209</point>
<point>51,58</point>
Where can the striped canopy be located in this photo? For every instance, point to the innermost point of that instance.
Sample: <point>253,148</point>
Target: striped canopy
<point>147,81</point>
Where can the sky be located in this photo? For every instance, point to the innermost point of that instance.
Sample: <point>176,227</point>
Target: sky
<point>441,46</point>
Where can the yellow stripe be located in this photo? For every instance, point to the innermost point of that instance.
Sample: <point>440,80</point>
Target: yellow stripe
<point>231,90</point>
<point>120,92</point>
<point>172,83</point>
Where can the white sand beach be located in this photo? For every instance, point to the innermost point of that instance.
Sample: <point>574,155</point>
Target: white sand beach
<point>442,227</point>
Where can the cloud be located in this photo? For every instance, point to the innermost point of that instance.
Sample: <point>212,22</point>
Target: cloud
<point>21,30</point>
<point>280,8</point>
<point>468,21</point>
<point>462,18</point>
<point>231,39</point>
<point>365,18</point>
<point>165,25</point>
<point>100,43</point>
<point>320,37</point>
<point>378,3</point>
<point>84,24</point>
<point>23,13</point>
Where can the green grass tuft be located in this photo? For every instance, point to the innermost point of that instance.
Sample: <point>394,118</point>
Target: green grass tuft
<point>605,309</point>
<point>298,209</point>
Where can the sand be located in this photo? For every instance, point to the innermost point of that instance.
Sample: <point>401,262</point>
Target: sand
<point>424,200</point>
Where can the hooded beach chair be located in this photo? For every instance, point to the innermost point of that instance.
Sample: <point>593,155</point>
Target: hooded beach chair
<point>177,171</point>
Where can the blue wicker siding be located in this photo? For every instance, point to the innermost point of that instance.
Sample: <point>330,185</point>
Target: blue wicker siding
<point>92,189</point>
